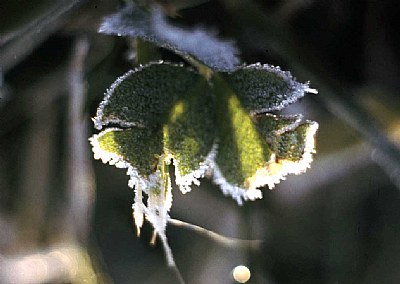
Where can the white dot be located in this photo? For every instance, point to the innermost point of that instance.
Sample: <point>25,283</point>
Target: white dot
<point>241,274</point>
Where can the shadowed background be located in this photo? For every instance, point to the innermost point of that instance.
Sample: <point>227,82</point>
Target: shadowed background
<point>66,218</point>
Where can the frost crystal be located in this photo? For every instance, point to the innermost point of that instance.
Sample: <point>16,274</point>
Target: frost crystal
<point>106,156</point>
<point>239,194</point>
<point>184,182</point>
<point>100,120</point>
<point>138,208</point>
<point>157,186</point>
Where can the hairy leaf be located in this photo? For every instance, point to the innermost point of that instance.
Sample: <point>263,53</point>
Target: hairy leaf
<point>144,97</point>
<point>163,118</point>
<point>255,151</point>
<point>158,120</point>
<point>140,148</point>
<point>190,132</point>
<point>265,88</point>
<point>292,149</point>
<point>241,149</point>
<point>270,125</point>
<point>153,26</point>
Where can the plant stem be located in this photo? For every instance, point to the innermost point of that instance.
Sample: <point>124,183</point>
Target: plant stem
<point>222,240</point>
<point>145,51</point>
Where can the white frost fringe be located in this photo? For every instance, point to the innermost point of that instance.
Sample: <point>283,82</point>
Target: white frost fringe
<point>265,176</point>
<point>184,182</point>
<point>159,201</point>
<point>237,193</point>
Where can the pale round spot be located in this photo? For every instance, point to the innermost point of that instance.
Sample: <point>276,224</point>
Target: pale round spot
<point>241,274</point>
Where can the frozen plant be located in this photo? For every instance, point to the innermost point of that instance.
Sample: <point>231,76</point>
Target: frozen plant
<point>215,120</point>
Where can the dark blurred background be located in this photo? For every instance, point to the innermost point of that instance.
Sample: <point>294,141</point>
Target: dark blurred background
<point>66,218</point>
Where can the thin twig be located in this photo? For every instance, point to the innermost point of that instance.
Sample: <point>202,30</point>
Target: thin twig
<point>35,176</point>
<point>170,258</point>
<point>80,183</point>
<point>16,46</point>
<point>222,240</point>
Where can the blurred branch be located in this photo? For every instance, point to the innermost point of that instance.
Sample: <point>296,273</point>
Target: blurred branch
<point>61,264</point>
<point>16,46</point>
<point>7,231</point>
<point>80,180</point>
<point>32,101</point>
<point>222,240</point>
<point>34,186</point>
<point>302,61</point>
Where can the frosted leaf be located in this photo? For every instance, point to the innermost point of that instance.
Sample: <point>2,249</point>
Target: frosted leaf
<point>254,151</point>
<point>143,97</point>
<point>292,154</point>
<point>203,45</point>
<point>189,134</point>
<point>138,147</point>
<point>153,26</point>
<point>129,21</point>
<point>271,125</point>
<point>185,181</point>
<point>294,144</point>
<point>241,148</point>
<point>163,118</point>
<point>238,193</point>
<point>265,88</point>
<point>159,203</point>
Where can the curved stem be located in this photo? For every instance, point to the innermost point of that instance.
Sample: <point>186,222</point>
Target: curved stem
<point>222,240</point>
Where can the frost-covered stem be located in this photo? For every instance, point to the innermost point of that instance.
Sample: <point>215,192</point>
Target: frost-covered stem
<point>284,43</point>
<point>170,258</point>
<point>220,239</point>
<point>138,209</point>
<point>168,252</point>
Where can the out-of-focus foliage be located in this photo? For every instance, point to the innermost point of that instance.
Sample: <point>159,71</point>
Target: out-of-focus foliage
<point>339,222</point>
